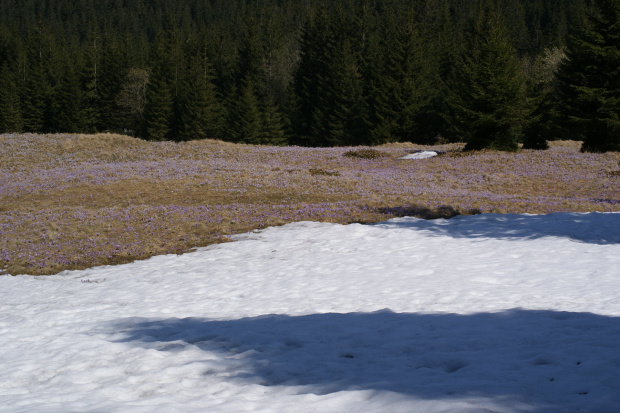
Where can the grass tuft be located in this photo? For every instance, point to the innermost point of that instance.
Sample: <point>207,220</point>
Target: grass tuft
<point>320,171</point>
<point>365,153</point>
<point>442,211</point>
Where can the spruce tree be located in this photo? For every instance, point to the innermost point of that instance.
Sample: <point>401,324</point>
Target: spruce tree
<point>34,102</point>
<point>244,118</point>
<point>339,120</point>
<point>406,88</point>
<point>89,84</point>
<point>310,81</point>
<point>68,103</point>
<point>272,129</point>
<point>10,110</point>
<point>160,102</point>
<point>36,86</point>
<point>250,55</point>
<point>159,108</point>
<point>490,101</point>
<point>380,121</point>
<point>111,74</point>
<point>329,88</point>
<point>590,81</point>
<point>202,111</point>
<point>436,118</point>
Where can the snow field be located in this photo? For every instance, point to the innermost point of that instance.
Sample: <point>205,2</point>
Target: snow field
<point>493,313</point>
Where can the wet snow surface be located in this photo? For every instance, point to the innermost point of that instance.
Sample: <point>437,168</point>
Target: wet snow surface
<point>421,155</point>
<point>488,313</point>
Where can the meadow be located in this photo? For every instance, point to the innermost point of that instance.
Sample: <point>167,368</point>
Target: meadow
<point>77,201</point>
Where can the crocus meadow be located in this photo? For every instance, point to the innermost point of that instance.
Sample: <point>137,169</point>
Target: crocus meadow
<point>76,201</point>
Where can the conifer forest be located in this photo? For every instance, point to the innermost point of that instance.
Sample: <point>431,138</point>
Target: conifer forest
<point>492,73</point>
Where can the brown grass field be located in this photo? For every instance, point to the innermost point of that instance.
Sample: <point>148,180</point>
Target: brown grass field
<point>77,201</point>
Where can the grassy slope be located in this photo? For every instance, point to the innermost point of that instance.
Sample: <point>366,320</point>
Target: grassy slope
<point>75,201</point>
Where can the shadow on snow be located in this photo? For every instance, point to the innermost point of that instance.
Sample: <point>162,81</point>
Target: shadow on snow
<point>543,361</point>
<point>592,228</point>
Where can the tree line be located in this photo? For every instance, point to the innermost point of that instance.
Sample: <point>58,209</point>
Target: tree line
<point>493,73</point>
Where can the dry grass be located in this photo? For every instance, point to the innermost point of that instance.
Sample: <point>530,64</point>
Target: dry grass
<point>76,201</point>
<point>365,153</point>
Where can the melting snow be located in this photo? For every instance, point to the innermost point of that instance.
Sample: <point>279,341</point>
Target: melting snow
<point>493,313</point>
<point>420,155</point>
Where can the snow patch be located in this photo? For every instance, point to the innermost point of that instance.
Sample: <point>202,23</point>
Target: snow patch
<point>421,155</point>
<point>507,313</point>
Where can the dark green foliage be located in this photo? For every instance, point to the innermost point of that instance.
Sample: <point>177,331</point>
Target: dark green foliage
<point>253,114</point>
<point>405,87</point>
<point>540,74</point>
<point>10,105</point>
<point>340,120</point>
<point>201,109</point>
<point>131,100</point>
<point>329,85</point>
<point>250,54</point>
<point>37,87</point>
<point>244,115</point>
<point>311,79</point>
<point>437,117</point>
<point>490,100</point>
<point>272,129</point>
<point>159,109</point>
<point>111,74</point>
<point>68,102</point>
<point>443,211</point>
<point>312,73</point>
<point>160,93</point>
<point>365,153</point>
<point>89,84</point>
<point>590,81</point>
<point>34,102</point>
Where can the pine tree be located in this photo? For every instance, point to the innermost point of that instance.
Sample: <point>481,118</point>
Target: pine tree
<point>590,81</point>
<point>490,102</point>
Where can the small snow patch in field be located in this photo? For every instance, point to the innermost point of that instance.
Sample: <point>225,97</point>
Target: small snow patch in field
<point>421,155</point>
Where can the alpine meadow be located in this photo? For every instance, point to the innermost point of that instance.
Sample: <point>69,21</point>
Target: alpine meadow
<point>127,123</point>
<point>305,206</point>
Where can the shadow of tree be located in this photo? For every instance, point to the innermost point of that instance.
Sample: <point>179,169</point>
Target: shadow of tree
<point>543,361</point>
<point>592,228</point>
